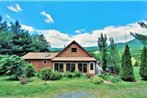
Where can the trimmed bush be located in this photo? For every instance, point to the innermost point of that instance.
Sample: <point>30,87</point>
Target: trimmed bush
<point>29,70</point>
<point>55,76</point>
<point>68,74</point>
<point>45,73</point>
<point>96,80</point>
<point>77,74</point>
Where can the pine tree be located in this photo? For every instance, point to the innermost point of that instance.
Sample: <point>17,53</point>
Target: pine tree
<point>143,65</point>
<point>126,66</point>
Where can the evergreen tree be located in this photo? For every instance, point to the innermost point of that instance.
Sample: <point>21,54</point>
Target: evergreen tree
<point>143,65</point>
<point>15,40</point>
<point>126,66</point>
<point>103,47</point>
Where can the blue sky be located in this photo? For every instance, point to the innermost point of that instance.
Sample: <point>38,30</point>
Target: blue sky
<point>65,21</point>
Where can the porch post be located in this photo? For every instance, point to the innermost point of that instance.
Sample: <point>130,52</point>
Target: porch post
<point>76,66</point>
<point>53,66</point>
<point>88,68</point>
<point>64,67</point>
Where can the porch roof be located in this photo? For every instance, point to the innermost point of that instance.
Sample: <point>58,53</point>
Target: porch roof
<point>73,59</point>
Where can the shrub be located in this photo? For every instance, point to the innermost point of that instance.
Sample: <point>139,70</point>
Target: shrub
<point>96,80</point>
<point>68,74</point>
<point>103,76</point>
<point>29,70</point>
<point>136,64</point>
<point>12,66</point>
<point>77,74</point>
<point>38,74</point>
<point>45,73</point>
<point>55,76</point>
<point>114,79</point>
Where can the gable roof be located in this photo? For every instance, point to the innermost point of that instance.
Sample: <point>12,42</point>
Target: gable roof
<point>39,55</point>
<point>73,42</point>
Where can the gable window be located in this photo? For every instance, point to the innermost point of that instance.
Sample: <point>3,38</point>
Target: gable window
<point>73,49</point>
<point>45,62</point>
<point>58,67</point>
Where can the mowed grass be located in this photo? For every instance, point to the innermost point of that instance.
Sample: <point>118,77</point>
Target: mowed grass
<point>37,89</point>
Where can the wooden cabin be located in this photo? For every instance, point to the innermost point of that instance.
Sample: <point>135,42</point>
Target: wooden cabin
<point>71,58</point>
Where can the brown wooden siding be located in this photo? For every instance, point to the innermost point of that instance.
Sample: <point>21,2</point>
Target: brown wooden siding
<point>39,64</point>
<point>67,52</point>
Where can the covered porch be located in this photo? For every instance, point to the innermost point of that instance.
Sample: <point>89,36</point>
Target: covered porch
<point>84,65</point>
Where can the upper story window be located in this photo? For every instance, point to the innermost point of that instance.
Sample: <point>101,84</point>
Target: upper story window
<point>73,49</point>
<point>44,61</point>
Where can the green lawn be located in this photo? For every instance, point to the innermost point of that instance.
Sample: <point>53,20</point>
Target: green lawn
<point>37,89</point>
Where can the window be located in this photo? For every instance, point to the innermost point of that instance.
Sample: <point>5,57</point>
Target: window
<point>82,67</point>
<point>58,67</point>
<point>70,67</point>
<point>45,62</point>
<point>29,61</point>
<point>91,66</point>
<point>73,49</point>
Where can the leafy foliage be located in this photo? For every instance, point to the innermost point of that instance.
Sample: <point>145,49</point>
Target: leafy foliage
<point>45,73</point>
<point>96,80</point>
<point>136,64</point>
<point>143,65</point>
<point>55,76</point>
<point>113,57</point>
<point>77,74</point>
<point>15,40</point>
<point>12,66</point>
<point>102,43</point>
<point>29,70</point>
<point>68,74</point>
<point>126,73</point>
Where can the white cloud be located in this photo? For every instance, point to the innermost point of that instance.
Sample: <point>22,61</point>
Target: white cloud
<point>18,7</point>
<point>15,8</point>
<point>60,39</point>
<point>29,28</point>
<point>80,31</point>
<point>56,38</point>
<point>119,33</point>
<point>48,17</point>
